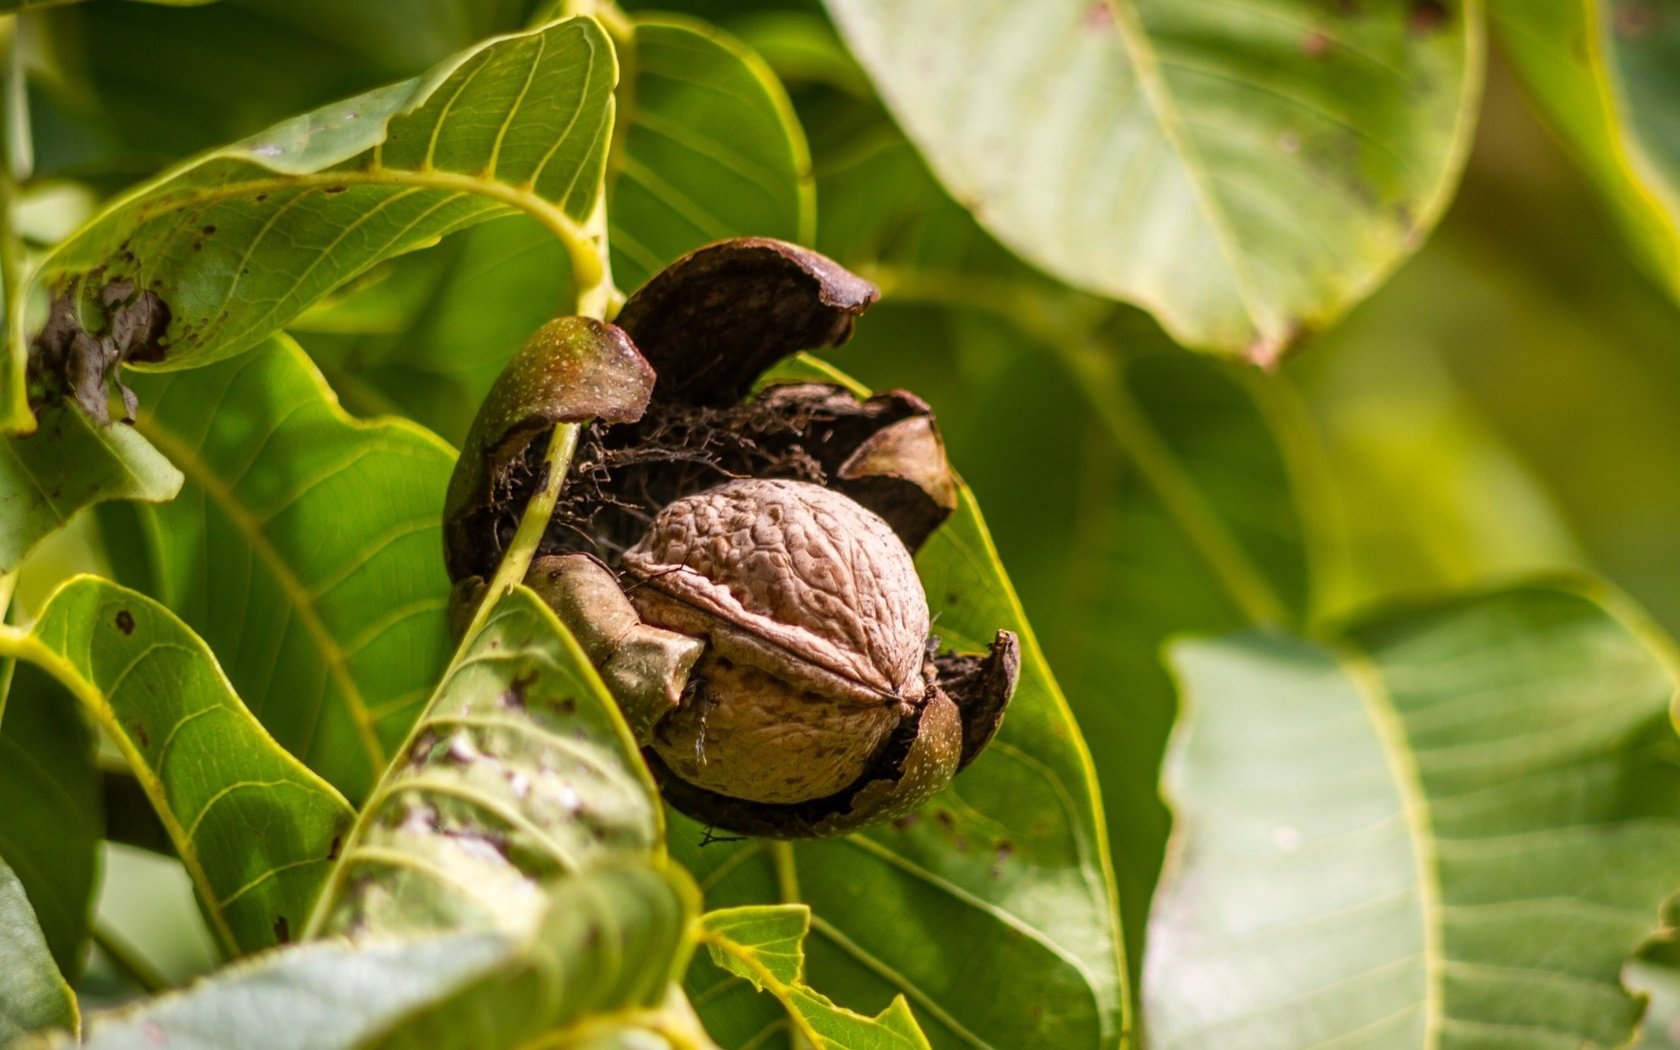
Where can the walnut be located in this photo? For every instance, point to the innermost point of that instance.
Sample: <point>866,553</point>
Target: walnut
<point>817,627</point>
<point>738,566</point>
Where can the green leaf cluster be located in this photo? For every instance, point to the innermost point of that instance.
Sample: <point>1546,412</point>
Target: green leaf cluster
<point>1382,794</point>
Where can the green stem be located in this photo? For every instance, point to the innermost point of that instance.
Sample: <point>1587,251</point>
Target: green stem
<point>128,961</point>
<point>1242,580</point>
<point>787,871</point>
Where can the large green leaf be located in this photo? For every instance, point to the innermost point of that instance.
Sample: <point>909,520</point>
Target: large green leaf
<point>240,240</point>
<point>706,147</point>
<point>992,910</point>
<point>304,549</point>
<point>255,828</point>
<point>52,822</point>
<point>520,770</point>
<point>1605,77</point>
<point>1450,830</point>
<point>69,463</point>
<point>597,963</point>
<point>765,946</point>
<point>1244,174</point>
<point>33,995</point>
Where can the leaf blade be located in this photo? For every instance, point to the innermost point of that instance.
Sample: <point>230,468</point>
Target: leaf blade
<point>1606,96</point>
<point>33,994</point>
<point>1215,167</point>
<point>765,946</point>
<point>1459,793</point>
<point>302,525</point>
<point>256,856</point>
<point>519,771</point>
<point>601,956</point>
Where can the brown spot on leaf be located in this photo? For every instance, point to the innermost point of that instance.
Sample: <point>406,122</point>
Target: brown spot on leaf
<point>125,621</point>
<point>514,696</point>
<point>282,930</point>
<point>209,231</point>
<point>337,844</point>
<point>1315,44</point>
<point>330,190</point>
<point>141,735</point>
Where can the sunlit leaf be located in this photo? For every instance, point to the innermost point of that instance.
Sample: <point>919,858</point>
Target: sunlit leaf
<point>255,828</point>
<point>304,549</point>
<point>992,911</point>
<point>33,995</point>
<point>1605,77</point>
<point>51,788</point>
<point>765,946</point>
<point>1244,174</point>
<point>236,242</point>
<point>597,962</point>
<point>520,770</point>
<point>1450,829</point>
<point>40,489</point>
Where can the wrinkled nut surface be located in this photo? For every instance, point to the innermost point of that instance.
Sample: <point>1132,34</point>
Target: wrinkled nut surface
<point>818,629</point>
<point>793,578</point>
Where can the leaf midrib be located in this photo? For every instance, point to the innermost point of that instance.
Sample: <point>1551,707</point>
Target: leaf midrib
<point>1392,738</point>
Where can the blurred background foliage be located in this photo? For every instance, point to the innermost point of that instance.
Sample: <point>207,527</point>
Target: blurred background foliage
<point>1503,404</point>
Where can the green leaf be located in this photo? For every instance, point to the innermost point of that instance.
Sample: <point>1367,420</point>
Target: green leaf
<point>520,770</point>
<point>1244,175</point>
<point>765,946</point>
<point>706,147</point>
<point>53,819</point>
<point>255,828</point>
<point>33,995</point>
<point>305,550</point>
<point>598,961</point>
<point>936,907</point>
<point>1452,829</point>
<point>69,463</point>
<point>1605,76</point>
<point>237,242</point>
<point>711,149</point>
